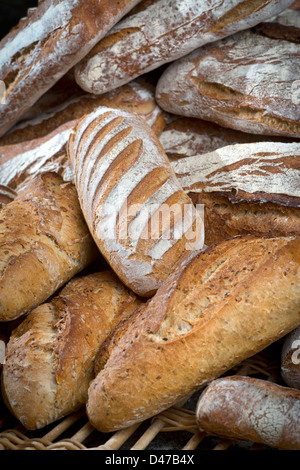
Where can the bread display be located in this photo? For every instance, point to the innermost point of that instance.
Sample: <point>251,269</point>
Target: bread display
<point>245,408</point>
<point>243,82</point>
<point>141,219</point>
<point>159,31</point>
<point>49,358</point>
<point>44,242</point>
<point>245,188</point>
<point>290,359</point>
<point>43,47</point>
<point>38,144</point>
<point>223,305</point>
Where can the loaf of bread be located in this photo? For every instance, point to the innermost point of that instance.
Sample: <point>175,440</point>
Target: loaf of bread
<point>141,219</point>
<point>43,47</point>
<point>290,359</point>
<point>284,26</point>
<point>223,305</point>
<point>251,409</point>
<point>49,358</point>
<point>244,82</point>
<point>44,242</point>
<point>159,31</point>
<point>39,144</point>
<point>245,188</point>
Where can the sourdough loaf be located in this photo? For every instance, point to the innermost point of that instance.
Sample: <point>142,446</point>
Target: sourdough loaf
<point>49,358</point>
<point>44,242</point>
<point>223,305</point>
<point>290,359</point>
<point>141,219</point>
<point>245,188</point>
<point>244,82</point>
<point>159,31</point>
<point>38,144</point>
<point>46,45</point>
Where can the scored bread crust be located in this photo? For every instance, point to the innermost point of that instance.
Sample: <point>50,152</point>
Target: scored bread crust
<point>44,241</point>
<point>46,44</point>
<point>49,358</point>
<point>227,303</point>
<point>141,219</point>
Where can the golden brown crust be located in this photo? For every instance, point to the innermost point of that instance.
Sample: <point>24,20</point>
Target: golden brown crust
<point>228,303</point>
<point>50,355</point>
<point>44,242</point>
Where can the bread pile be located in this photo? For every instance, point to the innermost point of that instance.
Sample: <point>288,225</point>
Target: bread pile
<point>150,213</point>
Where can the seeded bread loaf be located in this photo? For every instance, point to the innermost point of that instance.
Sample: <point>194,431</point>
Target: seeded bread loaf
<point>44,242</point>
<point>223,305</point>
<point>141,219</point>
<point>49,358</point>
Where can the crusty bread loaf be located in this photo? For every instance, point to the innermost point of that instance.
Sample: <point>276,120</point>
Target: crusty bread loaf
<point>49,359</point>
<point>141,219</point>
<point>47,44</point>
<point>244,82</point>
<point>245,188</point>
<point>44,241</point>
<point>290,359</point>
<point>251,409</point>
<point>159,31</point>
<point>223,305</point>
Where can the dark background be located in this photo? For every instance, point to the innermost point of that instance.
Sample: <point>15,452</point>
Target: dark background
<point>11,11</point>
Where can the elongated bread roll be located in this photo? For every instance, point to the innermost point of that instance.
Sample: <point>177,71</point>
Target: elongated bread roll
<point>141,219</point>
<point>290,359</point>
<point>255,410</point>
<point>44,241</point>
<point>46,45</point>
<point>243,82</point>
<point>39,144</point>
<point>160,31</point>
<point>245,188</point>
<point>223,305</point>
<point>49,358</point>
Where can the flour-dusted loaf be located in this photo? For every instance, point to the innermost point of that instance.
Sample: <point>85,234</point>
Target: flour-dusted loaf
<point>245,188</point>
<point>49,358</point>
<point>251,409</point>
<point>44,242</point>
<point>160,31</point>
<point>225,304</point>
<point>244,82</point>
<point>141,219</point>
<point>38,144</point>
<point>43,47</point>
<point>290,359</point>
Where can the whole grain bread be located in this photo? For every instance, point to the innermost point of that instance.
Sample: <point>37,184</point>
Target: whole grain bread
<point>223,305</point>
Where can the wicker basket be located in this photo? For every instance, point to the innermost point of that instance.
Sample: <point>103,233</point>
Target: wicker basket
<point>173,429</point>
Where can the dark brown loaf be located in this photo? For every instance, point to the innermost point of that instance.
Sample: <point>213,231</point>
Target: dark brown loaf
<point>245,188</point>
<point>250,409</point>
<point>244,82</point>
<point>39,144</point>
<point>44,242</point>
<point>49,359</point>
<point>47,44</point>
<point>224,305</point>
<point>290,359</point>
<point>160,31</point>
<point>141,219</point>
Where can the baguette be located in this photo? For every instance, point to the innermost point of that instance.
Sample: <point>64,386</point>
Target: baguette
<point>245,188</point>
<point>49,359</point>
<point>159,31</point>
<point>223,305</point>
<point>243,82</point>
<point>141,219</point>
<point>43,47</point>
<point>290,359</point>
<point>250,409</point>
<point>44,241</point>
